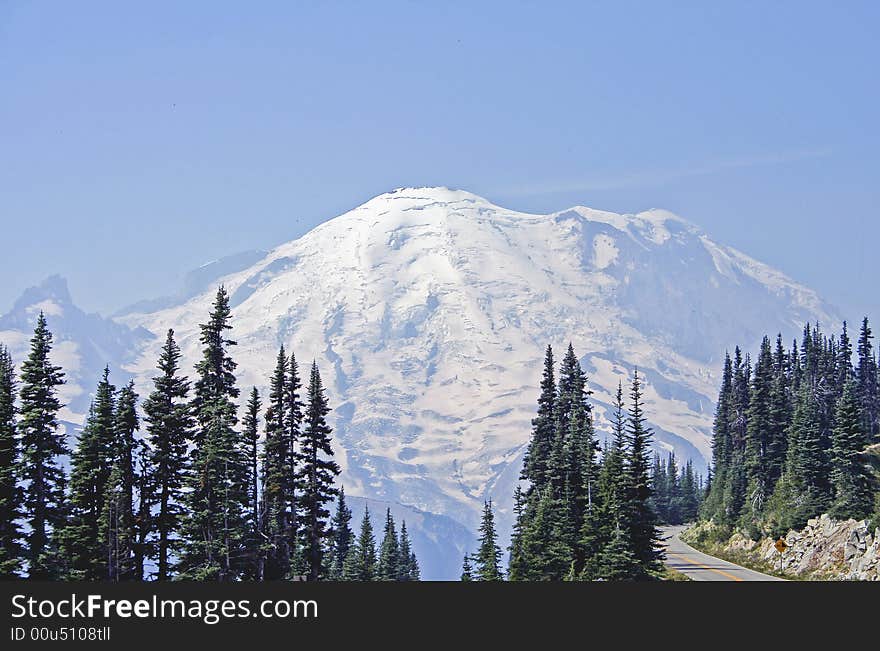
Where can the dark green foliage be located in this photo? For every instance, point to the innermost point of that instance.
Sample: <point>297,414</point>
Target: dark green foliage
<point>361,564</point>
<point>616,561</point>
<point>118,525</point>
<point>850,476</point>
<point>868,382</point>
<point>467,572</point>
<point>343,538</point>
<point>389,552</point>
<point>84,550</point>
<point>277,518</point>
<point>537,456</point>
<point>641,521</point>
<point>518,564</point>
<point>488,556</point>
<point>584,519</point>
<point>807,421</point>
<point>315,475</point>
<point>215,530</point>
<point>251,426</point>
<point>409,564</point>
<point>10,492</point>
<point>293,419</point>
<point>169,428</point>
<point>41,444</point>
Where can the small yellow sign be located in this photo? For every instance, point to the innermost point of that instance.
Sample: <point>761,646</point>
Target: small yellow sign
<point>780,545</point>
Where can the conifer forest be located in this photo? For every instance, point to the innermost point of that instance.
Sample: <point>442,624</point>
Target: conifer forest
<point>175,487</point>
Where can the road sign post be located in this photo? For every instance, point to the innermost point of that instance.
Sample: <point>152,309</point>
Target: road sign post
<point>780,546</point>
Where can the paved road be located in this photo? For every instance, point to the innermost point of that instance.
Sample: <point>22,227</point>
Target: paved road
<point>701,567</point>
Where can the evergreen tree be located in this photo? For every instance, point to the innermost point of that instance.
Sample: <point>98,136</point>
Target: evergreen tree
<point>518,564</point>
<point>641,520</point>
<point>118,526</point>
<point>361,562</point>
<point>467,572</point>
<point>545,541</point>
<point>409,566</point>
<point>868,381</point>
<point>169,428</point>
<point>42,443</point>
<point>315,473</point>
<point>294,421</point>
<point>251,426</point>
<point>389,552</point>
<point>10,492</point>
<point>488,557</point>
<point>415,574</point>
<point>277,476</point>
<point>735,484</point>
<point>673,491</point>
<point>659,494</point>
<point>850,478</point>
<point>216,531</point>
<point>616,561</point>
<point>543,430</point>
<point>759,432</point>
<point>690,493</point>
<point>91,464</point>
<point>714,505</point>
<point>343,537</point>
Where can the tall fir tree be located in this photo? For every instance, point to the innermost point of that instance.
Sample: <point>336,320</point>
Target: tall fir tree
<point>215,531</point>
<point>759,431</point>
<point>42,444</point>
<point>251,427</point>
<point>169,429</point>
<point>868,381</point>
<point>467,571</point>
<point>389,551</point>
<point>118,527</point>
<point>10,491</point>
<point>294,413</point>
<point>361,562</point>
<point>537,456</point>
<point>409,565</point>
<point>488,556</point>
<point>343,537</point>
<point>641,520</point>
<point>714,504</point>
<point>91,465</point>
<point>316,472</point>
<point>850,476</point>
<point>277,476</point>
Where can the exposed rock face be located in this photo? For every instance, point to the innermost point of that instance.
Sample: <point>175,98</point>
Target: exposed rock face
<point>825,549</point>
<point>829,549</point>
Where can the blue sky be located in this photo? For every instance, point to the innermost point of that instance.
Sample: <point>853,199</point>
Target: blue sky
<point>139,141</point>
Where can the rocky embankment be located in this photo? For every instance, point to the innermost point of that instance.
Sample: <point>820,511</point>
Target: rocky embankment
<point>824,549</point>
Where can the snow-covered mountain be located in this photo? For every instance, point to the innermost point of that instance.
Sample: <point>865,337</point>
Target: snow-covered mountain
<point>428,311</point>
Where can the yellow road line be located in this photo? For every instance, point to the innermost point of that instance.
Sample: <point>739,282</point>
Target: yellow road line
<point>704,567</point>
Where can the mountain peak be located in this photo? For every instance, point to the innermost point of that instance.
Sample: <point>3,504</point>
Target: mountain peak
<point>428,195</point>
<point>53,290</point>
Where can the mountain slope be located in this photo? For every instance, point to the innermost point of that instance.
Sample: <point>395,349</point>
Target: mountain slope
<point>428,311</point>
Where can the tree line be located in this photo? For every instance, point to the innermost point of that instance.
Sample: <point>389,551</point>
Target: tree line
<point>581,513</point>
<point>792,432</point>
<point>196,495</point>
<point>677,493</point>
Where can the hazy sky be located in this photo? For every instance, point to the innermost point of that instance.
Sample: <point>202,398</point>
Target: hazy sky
<point>137,142</point>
